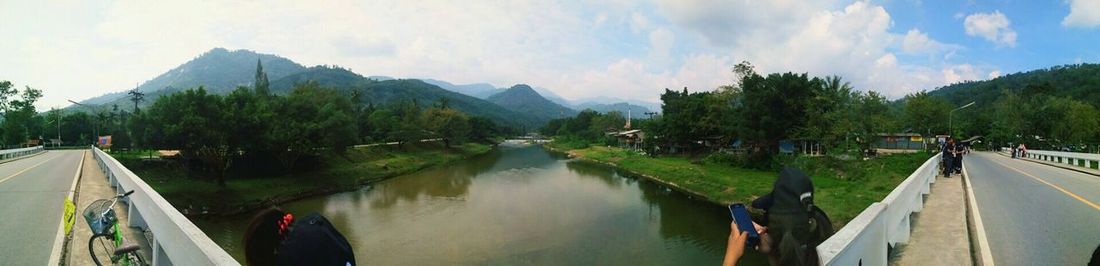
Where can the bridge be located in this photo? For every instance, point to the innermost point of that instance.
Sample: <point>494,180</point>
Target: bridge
<point>1041,209</point>
<point>1038,210</point>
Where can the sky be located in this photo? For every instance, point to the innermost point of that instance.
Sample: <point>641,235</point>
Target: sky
<point>578,49</point>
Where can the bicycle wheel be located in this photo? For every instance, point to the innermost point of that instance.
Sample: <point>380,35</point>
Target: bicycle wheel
<point>102,246</point>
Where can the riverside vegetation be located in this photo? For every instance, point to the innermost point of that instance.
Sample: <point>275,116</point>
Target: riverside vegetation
<point>252,148</point>
<point>724,145</point>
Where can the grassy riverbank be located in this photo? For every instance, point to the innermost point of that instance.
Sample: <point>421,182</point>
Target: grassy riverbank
<point>333,174</point>
<point>843,188</point>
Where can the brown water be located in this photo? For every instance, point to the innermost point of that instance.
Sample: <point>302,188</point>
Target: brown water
<point>516,205</point>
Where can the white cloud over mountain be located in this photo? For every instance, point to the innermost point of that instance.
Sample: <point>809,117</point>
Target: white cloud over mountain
<point>625,49</point>
<point>994,27</point>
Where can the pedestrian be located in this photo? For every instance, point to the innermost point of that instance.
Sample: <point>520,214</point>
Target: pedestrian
<point>948,157</point>
<point>1023,150</point>
<point>960,148</point>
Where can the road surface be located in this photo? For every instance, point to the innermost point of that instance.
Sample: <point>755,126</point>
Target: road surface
<point>32,196</point>
<point>1035,214</point>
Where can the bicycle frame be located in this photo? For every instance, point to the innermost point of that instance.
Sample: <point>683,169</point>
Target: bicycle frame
<point>122,259</point>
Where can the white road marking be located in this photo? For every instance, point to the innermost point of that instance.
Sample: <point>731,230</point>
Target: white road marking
<point>983,241</point>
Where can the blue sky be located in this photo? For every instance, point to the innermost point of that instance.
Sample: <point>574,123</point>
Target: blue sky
<point>578,49</point>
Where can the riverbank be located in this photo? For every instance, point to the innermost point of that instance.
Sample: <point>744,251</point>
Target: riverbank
<point>843,188</point>
<point>334,173</point>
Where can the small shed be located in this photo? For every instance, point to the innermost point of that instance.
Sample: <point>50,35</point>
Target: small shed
<point>631,138</point>
<point>900,141</point>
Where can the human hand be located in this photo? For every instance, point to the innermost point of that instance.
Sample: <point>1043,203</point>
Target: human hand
<point>764,246</point>
<point>735,246</point>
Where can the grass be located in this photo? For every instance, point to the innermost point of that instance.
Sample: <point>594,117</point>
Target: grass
<point>843,188</point>
<point>334,173</point>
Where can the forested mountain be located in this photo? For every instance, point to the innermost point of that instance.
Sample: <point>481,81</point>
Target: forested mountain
<point>1081,82</point>
<point>393,91</point>
<point>622,107</point>
<point>1053,108</point>
<point>218,70</point>
<point>523,99</point>
<point>479,90</point>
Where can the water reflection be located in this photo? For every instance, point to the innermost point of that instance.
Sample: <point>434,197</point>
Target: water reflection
<point>516,205</point>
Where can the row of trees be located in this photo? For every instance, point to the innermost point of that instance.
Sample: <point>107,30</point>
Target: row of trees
<point>763,110</point>
<point>21,121</point>
<point>250,126</point>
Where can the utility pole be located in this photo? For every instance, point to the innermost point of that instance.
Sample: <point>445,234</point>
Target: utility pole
<point>58,118</point>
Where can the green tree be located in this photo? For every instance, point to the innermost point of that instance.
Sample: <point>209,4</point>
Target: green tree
<point>775,107</point>
<point>20,118</point>
<point>1010,119</point>
<point>261,84</point>
<point>926,114</point>
<point>193,122</point>
<point>449,124</point>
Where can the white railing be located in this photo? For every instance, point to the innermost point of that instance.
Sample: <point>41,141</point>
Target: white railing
<point>176,241</point>
<point>864,240</point>
<point>13,153</point>
<point>1087,160</point>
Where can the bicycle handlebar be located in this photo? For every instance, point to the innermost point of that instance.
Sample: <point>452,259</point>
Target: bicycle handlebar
<point>126,194</point>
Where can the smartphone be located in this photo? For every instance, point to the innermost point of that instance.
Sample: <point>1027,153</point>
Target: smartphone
<point>744,223</point>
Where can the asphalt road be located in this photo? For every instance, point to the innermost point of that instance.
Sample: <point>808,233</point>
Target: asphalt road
<point>1035,214</point>
<point>32,194</point>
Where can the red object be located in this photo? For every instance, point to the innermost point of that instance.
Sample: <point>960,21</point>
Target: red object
<point>284,224</point>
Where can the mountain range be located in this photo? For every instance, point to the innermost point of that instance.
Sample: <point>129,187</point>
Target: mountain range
<point>220,71</point>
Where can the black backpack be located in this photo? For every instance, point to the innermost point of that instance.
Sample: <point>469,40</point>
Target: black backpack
<point>795,224</point>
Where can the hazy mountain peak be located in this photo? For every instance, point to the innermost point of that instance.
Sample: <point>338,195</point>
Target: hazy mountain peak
<point>524,99</point>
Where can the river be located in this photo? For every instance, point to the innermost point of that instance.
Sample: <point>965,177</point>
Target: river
<point>517,205</point>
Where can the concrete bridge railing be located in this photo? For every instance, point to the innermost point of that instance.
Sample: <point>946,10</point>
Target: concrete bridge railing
<point>176,240</point>
<point>15,153</point>
<point>1087,160</point>
<point>864,240</point>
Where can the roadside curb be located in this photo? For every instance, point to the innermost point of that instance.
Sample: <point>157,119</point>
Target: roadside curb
<point>978,241</point>
<point>1075,169</point>
<point>61,242</point>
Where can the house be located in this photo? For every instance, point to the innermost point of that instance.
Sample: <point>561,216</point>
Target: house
<point>899,142</point>
<point>631,138</point>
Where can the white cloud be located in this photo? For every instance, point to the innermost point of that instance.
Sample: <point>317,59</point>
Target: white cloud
<point>960,73</point>
<point>917,42</point>
<point>994,74</point>
<point>1083,13</point>
<point>577,49</point>
<point>994,27</point>
<point>854,42</point>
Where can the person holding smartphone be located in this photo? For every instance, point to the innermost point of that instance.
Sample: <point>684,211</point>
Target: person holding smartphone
<point>794,224</point>
<point>735,246</point>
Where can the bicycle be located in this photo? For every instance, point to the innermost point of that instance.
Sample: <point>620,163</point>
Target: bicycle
<point>107,239</point>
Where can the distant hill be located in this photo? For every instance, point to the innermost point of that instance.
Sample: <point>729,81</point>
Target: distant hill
<point>622,107</point>
<point>479,90</point>
<point>1081,82</point>
<point>554,97</point>
<point>395,90</point>
<point>381,78</point>
<point>523,99</point>
<point>218,70</point>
